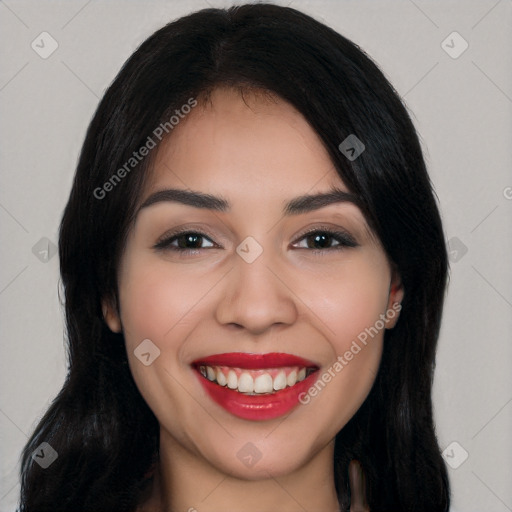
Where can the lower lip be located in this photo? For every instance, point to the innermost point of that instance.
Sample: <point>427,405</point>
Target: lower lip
<point>256,407</point>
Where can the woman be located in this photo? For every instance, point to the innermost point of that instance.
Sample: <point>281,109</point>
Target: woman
<point>254,270</point>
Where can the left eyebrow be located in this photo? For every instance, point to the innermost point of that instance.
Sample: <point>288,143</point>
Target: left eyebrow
<point>296,206</point>
<point>312,202</point>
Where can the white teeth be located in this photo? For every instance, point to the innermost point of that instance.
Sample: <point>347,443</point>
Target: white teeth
<point>221,378</point>
<point>280,381</point>
<point>291,380</point>
<point>232,380</point>
<point>245,383</point>
<point>210,373</point>
<point>263,384</point>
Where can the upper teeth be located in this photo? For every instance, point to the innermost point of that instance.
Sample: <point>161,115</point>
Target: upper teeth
<point>254,381</point>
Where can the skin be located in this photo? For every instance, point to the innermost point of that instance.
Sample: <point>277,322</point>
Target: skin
<point>257,154</point>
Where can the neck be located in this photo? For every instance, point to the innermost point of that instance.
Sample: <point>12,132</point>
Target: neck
<point>185,481</point>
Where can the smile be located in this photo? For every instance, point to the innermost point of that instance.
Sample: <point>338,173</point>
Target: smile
<point>255,386</point>
<point>255,382</point>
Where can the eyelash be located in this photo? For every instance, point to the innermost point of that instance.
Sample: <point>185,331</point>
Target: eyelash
<point>344,240</point>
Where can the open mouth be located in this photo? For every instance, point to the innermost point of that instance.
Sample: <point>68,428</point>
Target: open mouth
<point>255,382</point>
<point>255,386</point>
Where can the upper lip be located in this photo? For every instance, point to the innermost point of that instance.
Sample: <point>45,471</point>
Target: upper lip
<point>252,361</point>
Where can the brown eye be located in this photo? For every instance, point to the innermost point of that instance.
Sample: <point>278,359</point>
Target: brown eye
<point>320,241</point>
<point>323,240</point>
<point>184,241</point>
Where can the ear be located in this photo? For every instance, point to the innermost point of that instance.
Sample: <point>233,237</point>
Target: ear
<point>395,297</point>
<point>111,315</point>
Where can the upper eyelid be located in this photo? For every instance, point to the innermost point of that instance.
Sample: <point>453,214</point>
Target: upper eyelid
<point>321,229</point>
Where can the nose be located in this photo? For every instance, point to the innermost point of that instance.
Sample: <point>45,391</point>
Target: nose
<point>257,296</point>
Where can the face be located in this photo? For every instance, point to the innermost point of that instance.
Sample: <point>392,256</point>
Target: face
<point>263,315</point>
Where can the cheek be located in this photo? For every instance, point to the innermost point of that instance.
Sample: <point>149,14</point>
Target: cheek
<point>350,304</point>
<point>157,302</point>
<point>152,303</point>
<point>165,306</point>
<point>161,305</point>
<point>351,299</point>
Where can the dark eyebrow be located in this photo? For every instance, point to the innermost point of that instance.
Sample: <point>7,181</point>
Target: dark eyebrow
<point>188,197</point>
<point>311,202</point>
<point>296,206</point>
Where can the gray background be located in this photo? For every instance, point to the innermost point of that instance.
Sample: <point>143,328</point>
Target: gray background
<point>462,108</point>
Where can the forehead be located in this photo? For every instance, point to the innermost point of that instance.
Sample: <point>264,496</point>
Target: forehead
<point>245,146</point>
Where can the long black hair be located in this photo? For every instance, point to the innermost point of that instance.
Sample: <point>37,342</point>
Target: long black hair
<point>104,433</point>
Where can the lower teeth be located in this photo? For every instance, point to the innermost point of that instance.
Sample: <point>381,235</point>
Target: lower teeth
<point>252,394</point>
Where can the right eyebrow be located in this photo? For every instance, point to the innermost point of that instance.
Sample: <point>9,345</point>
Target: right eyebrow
<point>187,197</point>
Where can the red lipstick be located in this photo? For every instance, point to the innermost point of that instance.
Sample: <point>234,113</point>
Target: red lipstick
<point>283,377</point>
<point>255,361</point>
